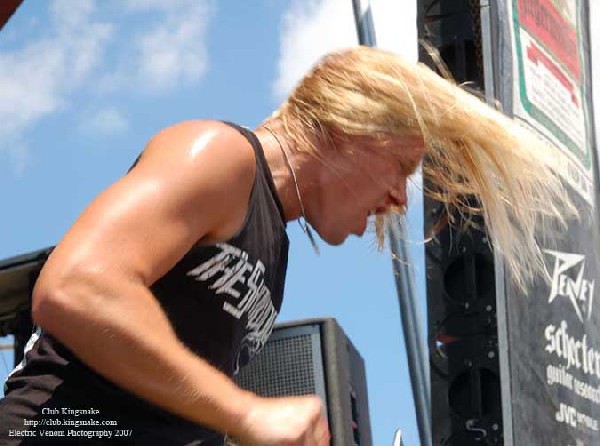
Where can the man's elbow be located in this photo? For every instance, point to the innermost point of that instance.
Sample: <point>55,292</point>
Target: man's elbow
<point>49,306</point>
<point>57,302</point>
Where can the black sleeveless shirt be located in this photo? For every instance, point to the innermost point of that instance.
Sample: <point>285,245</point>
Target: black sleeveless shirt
<point>221,300</point>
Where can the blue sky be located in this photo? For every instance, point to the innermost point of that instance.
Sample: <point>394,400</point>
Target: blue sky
<point>86,83</point>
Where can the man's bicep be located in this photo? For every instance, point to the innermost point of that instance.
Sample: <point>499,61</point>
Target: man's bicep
<point>143,224</point>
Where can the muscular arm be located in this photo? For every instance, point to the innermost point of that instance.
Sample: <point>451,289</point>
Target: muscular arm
<point>193,183</point>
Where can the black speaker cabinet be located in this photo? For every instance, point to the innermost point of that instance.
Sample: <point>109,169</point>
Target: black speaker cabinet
<point>466,399</point>
<point>314,356</point>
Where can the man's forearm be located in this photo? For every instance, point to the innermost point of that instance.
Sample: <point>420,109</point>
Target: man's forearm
<point>129,341</point>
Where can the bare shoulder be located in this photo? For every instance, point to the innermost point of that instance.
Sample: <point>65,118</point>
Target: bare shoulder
<point>192,184</point>
<point>189,141</point>
<point>210,160</point>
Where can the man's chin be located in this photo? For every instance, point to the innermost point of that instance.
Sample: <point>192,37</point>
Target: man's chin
<point>333,237</point>
<point>335,240</point>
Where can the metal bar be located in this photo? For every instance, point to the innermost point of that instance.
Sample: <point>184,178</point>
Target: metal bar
<point>364,23</point>
<point>398,438</point>
<point>485,12</point>
<point>411,327</point>
<point>486,46</point>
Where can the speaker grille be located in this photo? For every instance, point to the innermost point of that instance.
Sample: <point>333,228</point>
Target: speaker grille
<point>284,367</point>
<point>314,357</point>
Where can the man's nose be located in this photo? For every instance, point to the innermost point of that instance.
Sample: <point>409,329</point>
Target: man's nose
<point>398,196</point>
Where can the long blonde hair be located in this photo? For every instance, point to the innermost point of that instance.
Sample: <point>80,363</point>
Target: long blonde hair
<point>471,149</point>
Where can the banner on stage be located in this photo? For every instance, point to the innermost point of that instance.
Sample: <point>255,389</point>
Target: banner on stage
<point>553,334</point>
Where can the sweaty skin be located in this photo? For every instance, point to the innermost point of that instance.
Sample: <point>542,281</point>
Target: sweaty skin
<point>191,185</point>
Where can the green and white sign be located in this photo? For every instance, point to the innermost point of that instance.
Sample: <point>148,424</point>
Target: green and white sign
<point>549,81</point>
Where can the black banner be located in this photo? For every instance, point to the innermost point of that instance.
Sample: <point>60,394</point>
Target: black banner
<point>551,355</point>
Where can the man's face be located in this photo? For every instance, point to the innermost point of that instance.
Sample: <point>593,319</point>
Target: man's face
<point>363,178</point>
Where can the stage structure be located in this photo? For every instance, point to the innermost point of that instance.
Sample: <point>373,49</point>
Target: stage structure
<point>461,292</point>
<point>508,368</point>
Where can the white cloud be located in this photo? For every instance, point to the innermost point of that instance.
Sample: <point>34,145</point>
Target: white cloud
<point>172,52</point>
<point>147,5</point>
<point>40,77</point>
<point>37,77</point>
<point>169,51</point>
<point>396,26</point>
<point>106,121</point>
<point>310,29</point>
<point>68,16</point>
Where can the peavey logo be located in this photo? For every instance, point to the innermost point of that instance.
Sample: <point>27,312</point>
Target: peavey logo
<point>568,282</point>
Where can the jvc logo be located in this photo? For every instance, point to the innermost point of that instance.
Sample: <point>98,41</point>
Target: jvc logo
<point>567,414</point>
<point>568,282</point>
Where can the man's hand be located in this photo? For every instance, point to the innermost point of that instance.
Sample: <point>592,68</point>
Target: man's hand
<point>290,421</point>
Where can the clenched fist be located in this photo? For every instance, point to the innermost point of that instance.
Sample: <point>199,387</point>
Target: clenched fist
<point>290,421</point>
